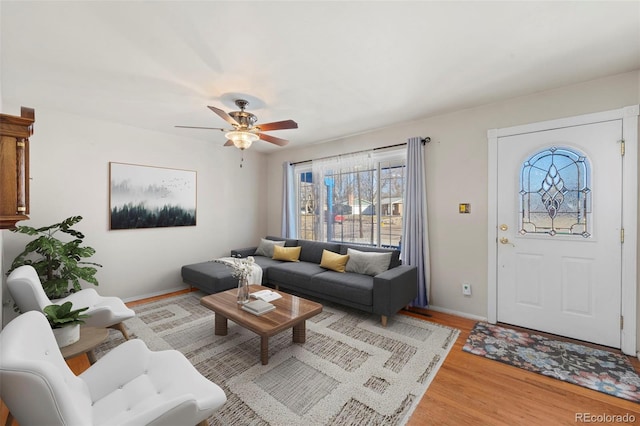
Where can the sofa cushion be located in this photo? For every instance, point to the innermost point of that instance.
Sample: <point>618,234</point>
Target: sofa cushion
<point>288,242</point>
<point>355,288</point>
<point>265,248</point>
<point>297,273</point>
<point>333,261</point>
<point>368,263</point>
<point>210,277</point>
<point>312,250</point>
<point>395,254</point>
<point>288,254</point>
<point>265,263</point>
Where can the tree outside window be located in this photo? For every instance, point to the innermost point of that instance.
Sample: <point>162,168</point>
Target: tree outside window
<point>352,204</point>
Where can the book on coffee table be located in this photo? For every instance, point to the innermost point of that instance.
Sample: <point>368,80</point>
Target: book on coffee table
<point>266,295</point>
<point>258,307</point>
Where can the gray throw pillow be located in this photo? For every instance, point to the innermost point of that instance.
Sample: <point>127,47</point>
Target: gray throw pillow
<point>266,247</point>
<point>367,263</point>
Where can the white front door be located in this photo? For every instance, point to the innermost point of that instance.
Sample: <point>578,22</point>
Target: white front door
<point>559,214</point>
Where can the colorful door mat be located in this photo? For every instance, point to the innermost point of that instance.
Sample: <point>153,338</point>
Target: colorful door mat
<point>596,369</point>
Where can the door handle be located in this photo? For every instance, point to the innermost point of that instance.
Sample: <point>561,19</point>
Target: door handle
<point>503,227</point>
<point>505,240</point>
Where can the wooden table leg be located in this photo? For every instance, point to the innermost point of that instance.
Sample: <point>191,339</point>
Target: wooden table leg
<point>300,332</point>
<point>264,350</point>
<point>221,325</point>
<point>92,357</point>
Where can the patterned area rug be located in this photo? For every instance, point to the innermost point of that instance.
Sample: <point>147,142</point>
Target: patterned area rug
<point>592,368</point>
<point>350,370</point>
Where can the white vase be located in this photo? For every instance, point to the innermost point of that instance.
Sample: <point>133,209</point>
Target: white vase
<point>68,335</point>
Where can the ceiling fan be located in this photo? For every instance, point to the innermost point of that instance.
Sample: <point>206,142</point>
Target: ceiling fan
<point>245,130</point>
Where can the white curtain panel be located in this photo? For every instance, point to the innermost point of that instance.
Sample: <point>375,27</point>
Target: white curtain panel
<point>332,167</point>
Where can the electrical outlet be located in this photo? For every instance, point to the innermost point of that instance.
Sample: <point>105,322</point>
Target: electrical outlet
<point>466,289</point>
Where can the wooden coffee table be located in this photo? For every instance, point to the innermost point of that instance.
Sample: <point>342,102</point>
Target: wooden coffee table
<point>90,338</point>
<point>291,312</point>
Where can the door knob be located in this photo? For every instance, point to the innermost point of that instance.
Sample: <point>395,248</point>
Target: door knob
<point>503,227</point>
<point>504,240</point>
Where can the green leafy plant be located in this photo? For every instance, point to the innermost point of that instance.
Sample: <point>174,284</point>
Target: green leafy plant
<point>59,264</point>
<point>61,315</point>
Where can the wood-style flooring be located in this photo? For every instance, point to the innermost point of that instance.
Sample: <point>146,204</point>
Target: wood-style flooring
<point>471,390</point>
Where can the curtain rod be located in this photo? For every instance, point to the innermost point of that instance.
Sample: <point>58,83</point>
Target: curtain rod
<point>423,140</point>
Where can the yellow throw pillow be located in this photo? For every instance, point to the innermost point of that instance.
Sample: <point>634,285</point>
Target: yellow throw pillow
<point>334,261</point>
<point>288,254</point>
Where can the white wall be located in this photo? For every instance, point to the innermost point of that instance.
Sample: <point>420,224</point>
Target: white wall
<point>1,231</point>
<point>69,170</point>
<point>457,172</point>
<point>70,158</point>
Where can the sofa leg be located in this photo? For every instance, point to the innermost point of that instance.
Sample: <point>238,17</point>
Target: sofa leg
<point>205,422</point>
<point>120,327</point>
<point>383,320</point>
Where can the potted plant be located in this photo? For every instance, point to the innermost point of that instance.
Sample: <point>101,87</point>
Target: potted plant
<point>65,322</point>
<point>59,263</point>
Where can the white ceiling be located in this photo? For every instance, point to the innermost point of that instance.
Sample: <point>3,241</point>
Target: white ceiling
<point>337,68</point>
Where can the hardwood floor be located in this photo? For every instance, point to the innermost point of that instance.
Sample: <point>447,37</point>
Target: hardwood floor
<point>471,390</point>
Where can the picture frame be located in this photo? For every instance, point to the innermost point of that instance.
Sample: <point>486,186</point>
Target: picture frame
<point>151,197</point>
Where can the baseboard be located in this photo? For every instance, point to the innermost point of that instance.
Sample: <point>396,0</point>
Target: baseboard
<point>155,294</point>
<point>457,313</point>
<point>431,307</point>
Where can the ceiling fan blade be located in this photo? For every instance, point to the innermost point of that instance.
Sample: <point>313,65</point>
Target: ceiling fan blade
<point>206,128</point>
<point>273,139</point>
<point>229,142</point>
<point>278,125</point>
<point>226,117</point>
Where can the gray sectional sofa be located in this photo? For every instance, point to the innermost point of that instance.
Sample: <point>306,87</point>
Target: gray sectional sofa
<point>383,291</point>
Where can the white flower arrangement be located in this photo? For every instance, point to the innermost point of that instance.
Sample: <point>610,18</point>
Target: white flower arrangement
<point>242,267</point>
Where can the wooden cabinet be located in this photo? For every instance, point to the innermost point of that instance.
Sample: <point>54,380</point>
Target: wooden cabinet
<point>14,166</point>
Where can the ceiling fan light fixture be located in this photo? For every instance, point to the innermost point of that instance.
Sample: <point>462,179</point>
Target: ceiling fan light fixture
<point>242,139</point>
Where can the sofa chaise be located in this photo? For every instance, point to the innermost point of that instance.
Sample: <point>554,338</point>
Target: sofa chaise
<point>374,279</point>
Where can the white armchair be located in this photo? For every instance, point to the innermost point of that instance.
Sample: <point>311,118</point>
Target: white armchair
<point>26,290</point>
<point>130,385</point>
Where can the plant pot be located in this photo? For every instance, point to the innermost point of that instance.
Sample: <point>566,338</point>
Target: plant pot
<point>68,335</point>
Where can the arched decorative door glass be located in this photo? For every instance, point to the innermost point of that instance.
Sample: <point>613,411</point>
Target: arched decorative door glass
<point>555,193</point>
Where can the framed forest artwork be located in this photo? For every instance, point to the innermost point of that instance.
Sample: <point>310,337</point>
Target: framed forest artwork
<point>151,197</point>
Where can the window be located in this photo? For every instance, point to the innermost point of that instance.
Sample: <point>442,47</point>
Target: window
<point>354,198</point>
<point>555,193</point>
